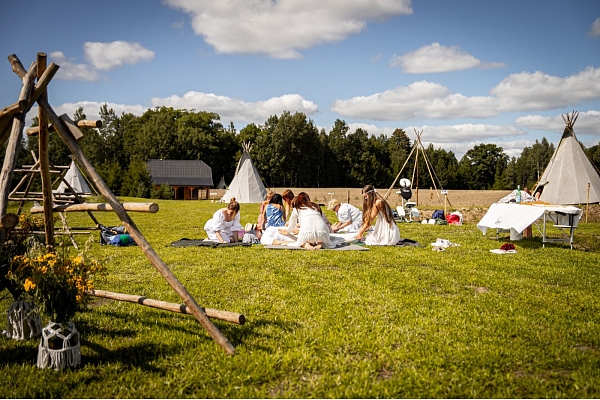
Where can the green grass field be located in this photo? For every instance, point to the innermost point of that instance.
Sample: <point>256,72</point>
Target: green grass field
<point>388,322</point>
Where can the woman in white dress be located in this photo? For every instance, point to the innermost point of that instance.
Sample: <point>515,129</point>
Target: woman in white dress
<point>349,217</point>
<point>314,232</point>
<point>385,232</point>
<point>224,225</point>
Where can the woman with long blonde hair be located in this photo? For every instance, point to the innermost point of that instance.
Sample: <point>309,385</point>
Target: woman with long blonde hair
<point>375,208</point>
<point>288,197</point>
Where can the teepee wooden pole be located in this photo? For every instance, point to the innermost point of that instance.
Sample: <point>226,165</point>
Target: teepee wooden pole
<point>137,236</point>
<point>587,202</point>
<point>10,158</point>
<point>44,160</point>
<point>141,241</point>
<point>400,172</point>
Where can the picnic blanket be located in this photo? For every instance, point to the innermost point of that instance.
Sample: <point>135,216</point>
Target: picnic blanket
<point>343,246</point>
<point>185,242</point>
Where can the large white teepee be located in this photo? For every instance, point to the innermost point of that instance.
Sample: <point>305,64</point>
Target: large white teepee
<point>570,172</point>
<point>76,180</point>
<point>246,186</point>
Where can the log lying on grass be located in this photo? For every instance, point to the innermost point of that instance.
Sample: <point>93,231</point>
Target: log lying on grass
<point>174,307</point>
<point>140,207</point>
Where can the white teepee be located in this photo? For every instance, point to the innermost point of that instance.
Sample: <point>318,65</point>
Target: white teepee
<point>76,180</point>
<point>570,177</point>
<point>246,186</point>
<point>222,184</point>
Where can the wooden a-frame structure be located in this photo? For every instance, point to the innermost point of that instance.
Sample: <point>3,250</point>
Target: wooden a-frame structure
<point>416,149</point>
<point>12,121</point>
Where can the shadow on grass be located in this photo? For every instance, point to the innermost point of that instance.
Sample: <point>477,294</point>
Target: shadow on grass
<point>17,353</point>
<point>162,319</point>
<point>239,334</point>
<point>140,355</point>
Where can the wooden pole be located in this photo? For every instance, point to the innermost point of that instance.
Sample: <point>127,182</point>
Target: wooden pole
<point>14,141</point>
<point>399,172</point>
<point>13,109</point>
<point>40,87</point>
<point>174,307</point>
<point>587,203</point>
<point>445,203</point>
<point>137,236</point>
<point>139,207</point>
<point>84,123</point>
<point>45,161</point>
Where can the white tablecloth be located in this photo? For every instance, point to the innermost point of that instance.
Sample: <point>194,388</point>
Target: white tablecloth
<point>520,216</point>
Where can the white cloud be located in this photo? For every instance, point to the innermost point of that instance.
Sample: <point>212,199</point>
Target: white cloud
<point>372,129</point>
<point>419,99</point>
<point>106,56</point>
<point>92,108</point>
<point>512,148</point>
<point>230,109</point>
<point>282,28</point>
<point>595,28</point>
<point>72,72</point>
<point>518,92</point>
<point>438,58</point>
<point>588,122</point>
<point>539,91</point>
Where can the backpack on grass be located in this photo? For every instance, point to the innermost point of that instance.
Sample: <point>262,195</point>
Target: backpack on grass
<point>115,235</point>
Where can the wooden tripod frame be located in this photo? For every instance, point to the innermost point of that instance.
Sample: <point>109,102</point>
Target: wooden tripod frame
<point>30,94</point>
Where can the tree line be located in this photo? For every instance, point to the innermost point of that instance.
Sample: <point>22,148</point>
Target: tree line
<point>288,151</point>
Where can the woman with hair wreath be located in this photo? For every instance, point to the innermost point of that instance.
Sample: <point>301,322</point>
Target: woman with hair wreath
<point>385,232</point>
<point>224,225</point>
<point>314,232</point>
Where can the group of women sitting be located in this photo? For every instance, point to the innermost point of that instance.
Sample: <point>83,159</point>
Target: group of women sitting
<point>287,219</point>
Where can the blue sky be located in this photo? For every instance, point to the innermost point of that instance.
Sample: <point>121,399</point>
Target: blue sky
<point>463,71</point>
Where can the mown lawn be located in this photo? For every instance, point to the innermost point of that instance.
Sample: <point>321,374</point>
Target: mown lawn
<point>388,322</point>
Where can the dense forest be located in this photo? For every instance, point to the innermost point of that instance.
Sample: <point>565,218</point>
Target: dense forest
<point>288,151</point>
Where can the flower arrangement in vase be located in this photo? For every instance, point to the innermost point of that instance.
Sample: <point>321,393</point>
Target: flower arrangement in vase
<point>57,283</point>
<point>23,317</point>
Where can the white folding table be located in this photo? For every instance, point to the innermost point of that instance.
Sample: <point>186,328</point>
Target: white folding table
<point>520,216</point>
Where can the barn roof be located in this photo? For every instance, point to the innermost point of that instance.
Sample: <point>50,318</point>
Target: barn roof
<point>180,172</point>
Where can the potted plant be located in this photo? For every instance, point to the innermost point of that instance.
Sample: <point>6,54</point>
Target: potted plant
<point>23,317</point>
<point>57,283</point>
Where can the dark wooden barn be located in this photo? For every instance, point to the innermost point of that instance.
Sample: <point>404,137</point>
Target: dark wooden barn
<point>187,178</point>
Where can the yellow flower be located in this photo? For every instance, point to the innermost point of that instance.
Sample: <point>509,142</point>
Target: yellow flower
<point>29,285</point>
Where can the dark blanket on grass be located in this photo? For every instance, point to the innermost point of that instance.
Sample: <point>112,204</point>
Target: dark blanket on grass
<point>408,242</point>
<point>185,242</point>
<point>344,246</point>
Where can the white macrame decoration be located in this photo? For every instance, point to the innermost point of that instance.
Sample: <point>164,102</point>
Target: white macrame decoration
<point>59,346</point>
<point>23,321</point>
